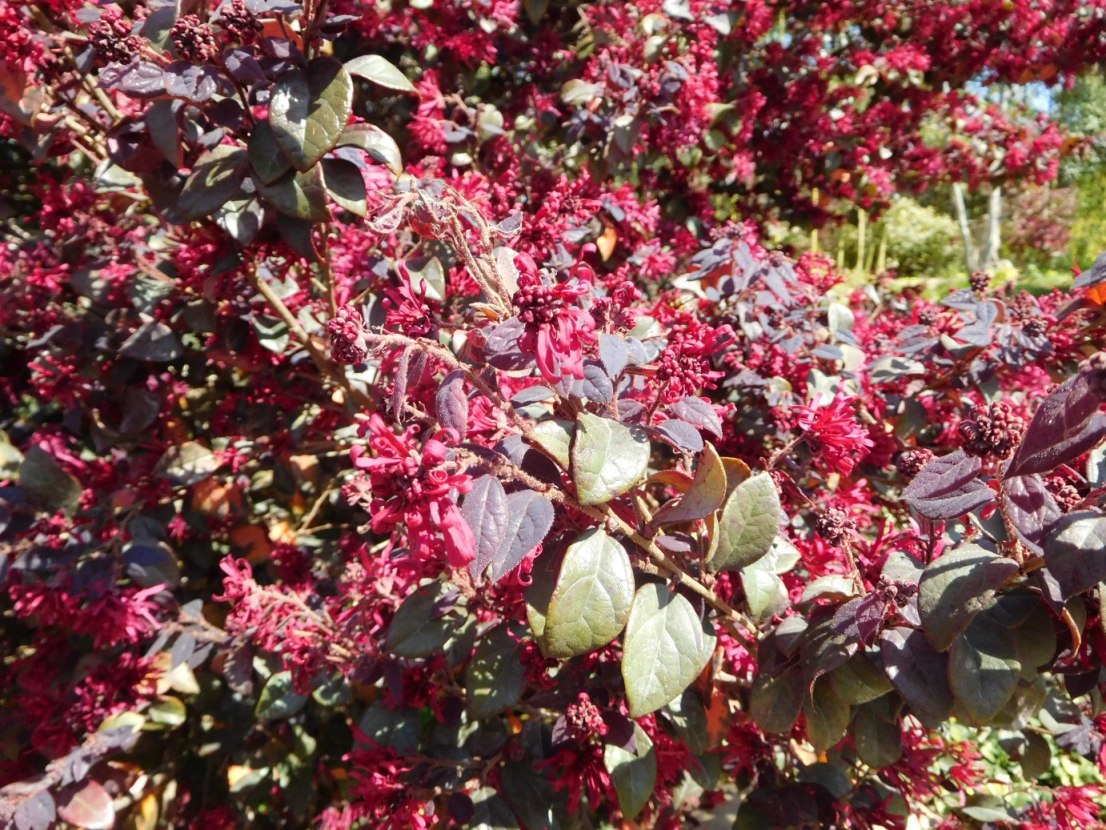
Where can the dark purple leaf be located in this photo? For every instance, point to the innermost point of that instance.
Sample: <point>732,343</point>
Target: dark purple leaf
<point>501,346</point>
<point>1075,552</point>
<point>919,672</point>
<point>532,394</point>
<point>138,78</point>
<point>1030,508</point>
<point>681,435</point>
<point>195,83</point>
<point>1066,425</point>
<point>36,812</point>
<point>860,618</point>
<point>149,564</point>
<point>243,66</point>
<point>614,353</point>
<point>452,404</point>
<point>485,510</point>
<point>153,341</point>
<point>529,517</point>
<point>823,649</point>
<point>948,487</point>
<point>595,385</point>
<point>700,413</point>
<point>182,650</point>
<point>1093,275</point>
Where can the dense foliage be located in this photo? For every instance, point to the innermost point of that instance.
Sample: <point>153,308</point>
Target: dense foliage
<point>405,424</point>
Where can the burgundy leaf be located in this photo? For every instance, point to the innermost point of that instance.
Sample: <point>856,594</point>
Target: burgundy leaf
<point>485,510</point>
<point>139,78</point>
<point>948,487</point>
<point>614,353</point>
<point>529,517</point>
<point>501,346</point>
<point>1030,508</point>
<point>1065,426</point>
<point>700,413</point>
<point>452,404</point>
<point>919,672</point>
<point>860,618</point>
<point>681,435</point>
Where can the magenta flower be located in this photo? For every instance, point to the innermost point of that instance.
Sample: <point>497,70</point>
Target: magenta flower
<point>413,485</point>
<point>833,433</point>
<point>557,328</point>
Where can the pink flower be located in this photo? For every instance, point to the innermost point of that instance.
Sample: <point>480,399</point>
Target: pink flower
<point>833,433</point>
<point>557,328</point>
<point>414,486</point>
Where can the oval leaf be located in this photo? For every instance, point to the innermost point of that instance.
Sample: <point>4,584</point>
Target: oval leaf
<point>1075,552</point>
<point>956,587</point>
<point>919,672</point>
<point>706,494</point>
<point>309,109</point>
<point>378,144</point>
<point>750,521</point>
<point>948,487</point>
<point>984,668</point>
<point>591,602</point>
<point>634,774</point>
<point>88,806</point>
<point>493,678</point>
<point>666,647</point>
<point>485,510</point>
<point>380,72</point>
<point>608,458</point>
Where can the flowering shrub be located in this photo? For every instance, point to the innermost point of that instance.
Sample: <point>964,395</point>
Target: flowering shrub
<point>507,480</point>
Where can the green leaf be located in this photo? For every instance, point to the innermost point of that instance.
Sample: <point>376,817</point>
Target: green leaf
<point>984,668</point>
<point>345,185</point>
<point>418,629</point>
<point>309,109</point>
<point>543,581</point>
<point>1036,640</point>
<point>750,521</point>
<point>49,485</point>
<point>168,712</point>
<point>554,438</point>
<point>706,494</point>
<point>859,680</point>
<point>666,646</point>
<point>765,593</point>
<point>215,180</point>
<point>278,700</point>
<point>299,195</point>
<point>956,587</point>
<point>380,72</point>
<point>878,739</point>
<point>493,678</point>
<point>608,458</point>
<point>591,602</point>
<point>398,729</point>
<point>777,699</point>
<point>634,775</point>
<point>1075,551</point>
<point>378,144</point>
<point>827,717</point>
<point>266,158</point>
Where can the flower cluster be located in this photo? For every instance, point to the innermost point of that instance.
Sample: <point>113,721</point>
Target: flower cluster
<point>413,484</point>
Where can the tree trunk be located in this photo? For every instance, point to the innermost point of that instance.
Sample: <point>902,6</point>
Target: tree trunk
<point>971,255</point>
<point>994,230</point>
